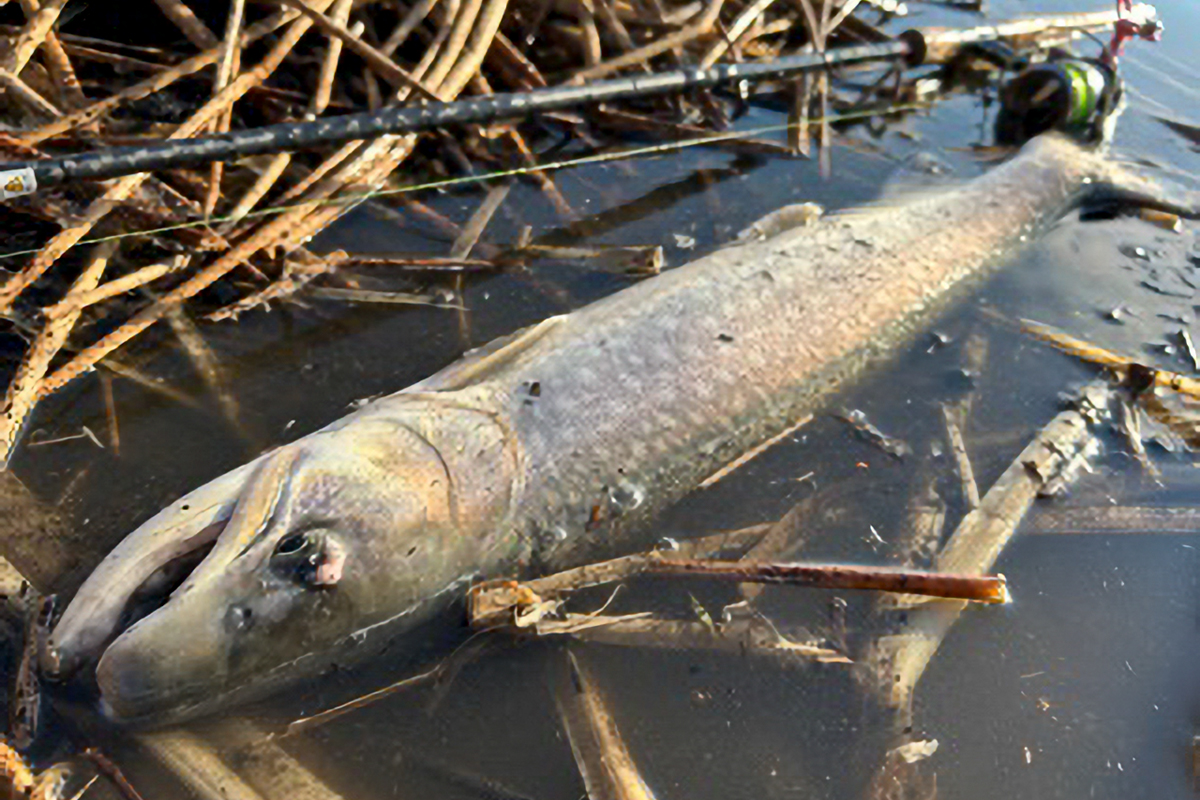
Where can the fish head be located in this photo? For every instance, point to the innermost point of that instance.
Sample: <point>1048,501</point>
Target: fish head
<point>333,544</point>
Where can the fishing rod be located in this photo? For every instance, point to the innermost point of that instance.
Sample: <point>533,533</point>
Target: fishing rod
<point>915,47</point>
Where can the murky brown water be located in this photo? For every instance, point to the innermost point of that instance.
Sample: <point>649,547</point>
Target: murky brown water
<point>1083,687</point>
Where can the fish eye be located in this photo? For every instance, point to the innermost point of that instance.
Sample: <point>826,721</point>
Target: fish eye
<point>291,544</point>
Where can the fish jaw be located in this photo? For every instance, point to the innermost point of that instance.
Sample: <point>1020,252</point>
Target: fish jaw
<point>337,543</point>
<point>94,616</point>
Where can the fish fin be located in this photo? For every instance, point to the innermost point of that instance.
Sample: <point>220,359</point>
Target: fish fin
<point>1125,187</point>
<point>478,363</point>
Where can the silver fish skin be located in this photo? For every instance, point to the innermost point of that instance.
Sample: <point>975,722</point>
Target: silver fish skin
<point>544,449</point>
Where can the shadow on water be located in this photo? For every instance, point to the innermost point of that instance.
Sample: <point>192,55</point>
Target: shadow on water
<point>1082,688</point>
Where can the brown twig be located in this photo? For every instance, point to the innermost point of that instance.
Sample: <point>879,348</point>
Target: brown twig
<point>105,766</point>
<point>188,23</point>
<point>974,588</point>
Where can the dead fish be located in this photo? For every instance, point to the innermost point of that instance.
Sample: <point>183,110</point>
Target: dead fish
<point>326,549</point>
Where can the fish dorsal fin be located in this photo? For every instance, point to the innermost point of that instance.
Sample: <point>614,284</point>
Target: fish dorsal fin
<point>477,364</point>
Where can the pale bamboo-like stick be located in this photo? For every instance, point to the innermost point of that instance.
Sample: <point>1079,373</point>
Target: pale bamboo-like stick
<point>188,23</point>
<point>22,393</point>
<point>385,67</point>
<point>120,190</point>
<point>152,84</point>
<point>750,14</point>
<point>27,95</point>
<point>692,31</point>
<point>31,36</point>
<point>70,92</point>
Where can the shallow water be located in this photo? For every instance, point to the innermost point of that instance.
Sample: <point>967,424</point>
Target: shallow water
<point>1081,688</point>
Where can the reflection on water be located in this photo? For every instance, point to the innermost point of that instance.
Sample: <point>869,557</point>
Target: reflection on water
<point>1081,688</point>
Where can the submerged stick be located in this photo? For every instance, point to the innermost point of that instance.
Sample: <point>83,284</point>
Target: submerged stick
<point>899,661</point>
<point>197,765</point>
<point>605,764</point>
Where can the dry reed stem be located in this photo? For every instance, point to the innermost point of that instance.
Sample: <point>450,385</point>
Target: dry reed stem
<point>460,27</point>
<point>585,15</point>
<point>31,36</point>
<point>22,392</point>
<point>120,189</point>
<point>188,23</point>
<point>70,93</point>
<point>962,459</point>
<point>617,28</point>
<point>152,84</point>
<point>281,228</point>
<point>329,65</point>
<point>227,66</point>
<point>117,286</point>
<point>750,14</point>
<point>26,94</point>
<point>549,188</point>
<point>531,76</point>
<point>385,67</point>
<point>692,31</point>
<point>257,191</point>
<point>331,162</point>
<point>415,16</point>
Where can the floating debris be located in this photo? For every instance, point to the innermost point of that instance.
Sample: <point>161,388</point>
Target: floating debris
<point>916,751</point>
<point>857,419</point>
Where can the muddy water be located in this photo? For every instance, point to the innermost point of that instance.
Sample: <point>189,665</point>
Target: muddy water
<point>1083,687</point>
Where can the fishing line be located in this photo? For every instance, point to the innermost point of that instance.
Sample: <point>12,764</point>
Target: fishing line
<point>594,158</point>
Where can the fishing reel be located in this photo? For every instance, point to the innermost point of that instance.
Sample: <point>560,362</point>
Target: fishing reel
<point>1080,97</point>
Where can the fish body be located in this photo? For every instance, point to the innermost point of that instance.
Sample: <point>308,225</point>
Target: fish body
<point>545,449</point>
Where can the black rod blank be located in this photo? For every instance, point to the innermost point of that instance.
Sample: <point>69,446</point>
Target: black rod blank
<point>173,154</point>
